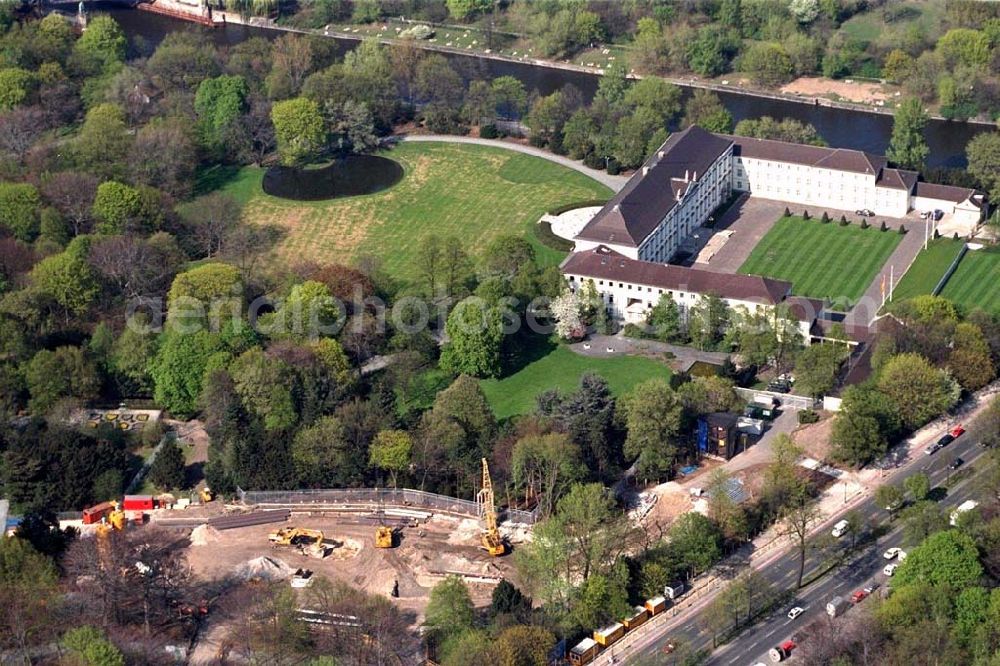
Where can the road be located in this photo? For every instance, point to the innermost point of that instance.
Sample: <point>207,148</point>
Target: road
<point>752,645</point>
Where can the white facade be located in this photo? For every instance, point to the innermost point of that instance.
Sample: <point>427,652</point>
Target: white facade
<point>815,186</point>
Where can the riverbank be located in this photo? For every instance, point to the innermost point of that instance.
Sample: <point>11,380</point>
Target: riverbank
<point>380,31</point>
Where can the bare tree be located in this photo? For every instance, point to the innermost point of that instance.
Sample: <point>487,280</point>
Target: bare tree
<point>72,193</point>
<point>19,129</point>
<point>251,137</point>
<point>135,266</point>
<point>210,218</point>
<point>799,516</point>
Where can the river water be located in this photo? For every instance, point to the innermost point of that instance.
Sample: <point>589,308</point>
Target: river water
<point>839,127</point>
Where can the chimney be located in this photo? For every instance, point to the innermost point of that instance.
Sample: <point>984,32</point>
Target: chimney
<point>687,175</point>
<point>662,153</point>
<point>614,209</point>
<point>645,170</point>
<point>695,176</point>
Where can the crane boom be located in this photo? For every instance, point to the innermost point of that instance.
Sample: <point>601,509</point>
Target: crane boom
<point>492,542</point>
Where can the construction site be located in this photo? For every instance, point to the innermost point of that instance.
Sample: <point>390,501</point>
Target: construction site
<point>396,544</point>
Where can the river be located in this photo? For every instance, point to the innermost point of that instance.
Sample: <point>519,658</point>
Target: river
<point>841,128</point>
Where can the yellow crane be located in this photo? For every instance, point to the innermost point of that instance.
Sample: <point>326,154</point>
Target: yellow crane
<point>492,542</point>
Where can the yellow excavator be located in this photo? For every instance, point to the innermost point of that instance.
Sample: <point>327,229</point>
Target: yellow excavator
<point>492,542</point>
<point>311,542</point>
<point>384,535</point>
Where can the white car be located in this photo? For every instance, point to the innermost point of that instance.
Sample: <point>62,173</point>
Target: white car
<point>795,612</point>
<point>890,569</point>
<point>891,553</point>
<point>840,529</point>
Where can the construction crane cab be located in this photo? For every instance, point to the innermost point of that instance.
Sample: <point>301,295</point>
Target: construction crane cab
<point>384,536</point>
<point>491,541</point>
<point>311,542</point>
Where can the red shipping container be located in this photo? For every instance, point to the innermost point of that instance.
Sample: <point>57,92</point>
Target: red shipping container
<point>138,503</point>
<point>93,515</point>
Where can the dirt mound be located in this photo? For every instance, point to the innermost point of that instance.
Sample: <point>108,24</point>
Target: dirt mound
<point>204,535</point>
<point>264,568</point>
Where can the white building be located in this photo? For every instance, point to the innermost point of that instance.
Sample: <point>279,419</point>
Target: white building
<point>694,171</point>
<point>630,287</point>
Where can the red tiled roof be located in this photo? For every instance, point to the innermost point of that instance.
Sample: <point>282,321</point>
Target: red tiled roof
<point>606,264</point>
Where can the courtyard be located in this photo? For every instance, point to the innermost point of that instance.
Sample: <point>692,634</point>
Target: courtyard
<point>822,260</point>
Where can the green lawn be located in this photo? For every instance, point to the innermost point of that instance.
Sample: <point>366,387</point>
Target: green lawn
<point>561,369</point>
<point>974,283</point>
<point>927,269</point>
<point>473,192</point>
<point>822,260</point>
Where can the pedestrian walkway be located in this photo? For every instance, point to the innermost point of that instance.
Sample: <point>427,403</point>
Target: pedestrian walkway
<point>614,182</point>
<point>604,346</point>
<point>867,307</point>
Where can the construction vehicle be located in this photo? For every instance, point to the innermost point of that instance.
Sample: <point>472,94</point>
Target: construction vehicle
<point>383,533</point>
<point>206,495</point>
<point>492,542</point>
<point>310,542</point>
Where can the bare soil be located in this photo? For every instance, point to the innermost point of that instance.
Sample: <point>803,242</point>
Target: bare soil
<point>863,92</point>
<point>815,437</point>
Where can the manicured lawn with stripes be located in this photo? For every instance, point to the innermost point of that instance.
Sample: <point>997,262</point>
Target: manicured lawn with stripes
<point>974,284</point>
<point>927,269</point>
<point>822,260</point>
<point>475,193</point>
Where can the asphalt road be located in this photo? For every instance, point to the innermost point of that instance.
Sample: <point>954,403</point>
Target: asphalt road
<point>752,645</point>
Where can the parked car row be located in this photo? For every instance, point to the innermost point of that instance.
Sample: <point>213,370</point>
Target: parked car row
<point>945,440</point>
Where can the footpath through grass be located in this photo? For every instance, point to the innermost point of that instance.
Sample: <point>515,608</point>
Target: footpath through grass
<point>475,193</point>
<point>927,269</point>
<point>974,283</point>
<point>822,260</point>
<point>557,367</point>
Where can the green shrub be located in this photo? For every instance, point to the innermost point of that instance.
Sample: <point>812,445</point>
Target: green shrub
<point>614,168</point>
<point>825,218</point>
<point>805,215</point>
<point>843,221</point>
<point>489,131</point>
<point>864,224</point>
<point>883,227</point>
<point>808,416</point>
<point>902,229</point>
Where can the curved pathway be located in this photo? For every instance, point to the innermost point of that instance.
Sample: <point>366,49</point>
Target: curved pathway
<point>614,182</point>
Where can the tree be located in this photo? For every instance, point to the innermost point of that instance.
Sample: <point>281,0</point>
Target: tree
<point>786,129</point>
<point>390,450</point>
<point>889,497</point>
<point>20,129</point>
<point>804,11</point>
<point>28,595</point>
<point>705,109</point>
<point>323,455</point>
<point>919,391</point>
<point>798,519</point>
<point>300,130</point>
<point>856,438</point>
<point>665,320</point>
<point>89,645</point>
<point>219,102</point>
<point>72,193</point>
<point>167,470</point>
<point>907,147</point>
<point>524,645</point>
<point>546,466</point>
<point>656,95</point>
<point>964,46</point>
<point>632,136</point>
<point>475,336</point>
<point>202,290</point>
<point>463,9</point>
<point>707,54</point>
<point>602,598</point>
<point>767,63</point>
<point>67,279</point>
<point>920,520</point>
<point>510,99</point>
<point>179,368</point>
<point>589,521</point>
<point>103,142</point>
<point>653,420</point>
<point>548,117</point>
<point>449,609</point>
<point>116,207</point>
<point>983,153</point>
<point>19,206</point>
<point>612,85</point>
<point>918,485</point>
<point>509,600</point>
<point>442,90</point>
<point>697,542</point>
<point>816,368</point>
<point>707,321</point>
<point>102,45</point>
<point>565,310</point>
<point>949,558</point>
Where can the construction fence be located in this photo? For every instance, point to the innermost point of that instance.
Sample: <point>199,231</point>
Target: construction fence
<point>397,497</point>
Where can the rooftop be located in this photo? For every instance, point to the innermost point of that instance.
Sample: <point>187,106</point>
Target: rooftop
<point>604,263</point>
<point>838,159</point>
<point>634,212</point>
<point>946,193</point>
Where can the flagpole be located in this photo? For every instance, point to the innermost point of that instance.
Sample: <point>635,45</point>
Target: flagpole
<point>891,273</point>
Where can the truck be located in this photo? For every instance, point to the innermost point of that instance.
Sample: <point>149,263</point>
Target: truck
<point>836,606</point>
<point>967,505</point>
<point>781,652</point>
<point>673,590</point>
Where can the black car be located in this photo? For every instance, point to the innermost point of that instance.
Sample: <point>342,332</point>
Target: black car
<point>945,440</point>
<point>779,386</point>
<point>956,463</point>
